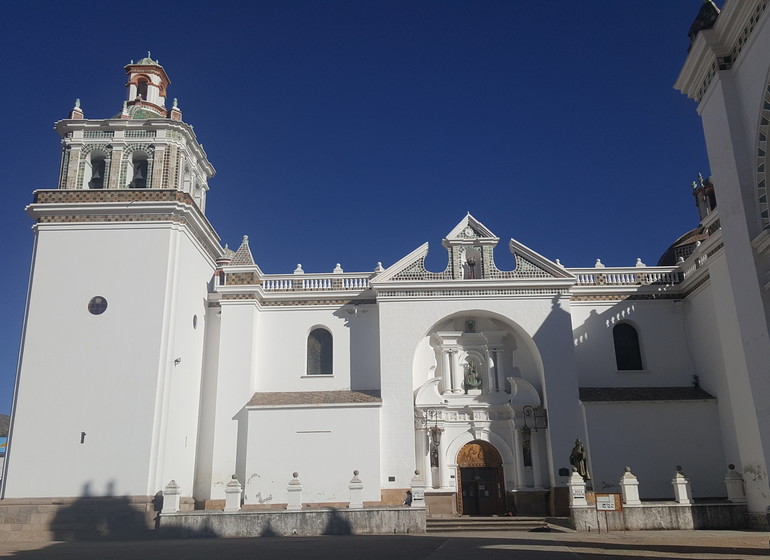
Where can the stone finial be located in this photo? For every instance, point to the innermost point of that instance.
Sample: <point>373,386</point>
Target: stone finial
<point>338,269</point>
<point>175,104</point>
<point>245,240</point>
<point>639,263</point>
<point>378,268</point>
<point>299,270</point>
<point>355,477</point>
<point>558,263</point>
<point>599,264</point>
<point>77,112</point>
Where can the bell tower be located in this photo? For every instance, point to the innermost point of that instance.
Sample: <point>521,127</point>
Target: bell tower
<point>109,376</point>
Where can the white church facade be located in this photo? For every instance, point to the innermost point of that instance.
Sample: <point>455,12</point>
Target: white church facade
<point>179,359</point>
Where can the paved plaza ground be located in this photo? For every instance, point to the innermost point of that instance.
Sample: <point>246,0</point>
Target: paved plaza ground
<point>561,545</point>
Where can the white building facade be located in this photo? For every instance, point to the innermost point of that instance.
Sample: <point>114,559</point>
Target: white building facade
<point>180,359</point>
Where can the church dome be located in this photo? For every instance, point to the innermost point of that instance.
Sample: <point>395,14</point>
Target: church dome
<point>684,246</point>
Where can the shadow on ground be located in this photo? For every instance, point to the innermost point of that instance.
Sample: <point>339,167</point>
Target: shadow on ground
<point>402,547</point>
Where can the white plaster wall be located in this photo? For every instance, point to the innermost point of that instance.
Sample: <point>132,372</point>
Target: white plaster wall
<point>98,374</point>
<point>187,294</point>
<point>229,386</point>
<point>653,438</point>
<point>542,322</point>
<point>282,343</point>
<point>323,444</point>
<point>207,418</point>
<point>703,338</point>
<point>660,324</point>
<point>747,398</point>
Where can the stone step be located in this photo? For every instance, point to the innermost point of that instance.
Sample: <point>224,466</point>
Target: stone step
<point>451,524</point>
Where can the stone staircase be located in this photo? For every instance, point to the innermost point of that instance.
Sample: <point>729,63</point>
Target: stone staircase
<point>463,524</point>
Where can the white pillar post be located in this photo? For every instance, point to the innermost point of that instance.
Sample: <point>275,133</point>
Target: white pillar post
<point>629,488</point>
<point>233,493</point>
<point>577,490</point>
<point>736,490</point>
<point>294,489</point>
<point>356,488</point>
<point>418,490</point>
<point>171,497</point>
<point>682,490</point>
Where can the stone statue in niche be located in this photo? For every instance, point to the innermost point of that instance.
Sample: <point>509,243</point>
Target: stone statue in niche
<point>472,378</point>
<point>579,460</point>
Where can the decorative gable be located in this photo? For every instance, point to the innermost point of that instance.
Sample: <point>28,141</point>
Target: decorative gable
<point>470,246</point>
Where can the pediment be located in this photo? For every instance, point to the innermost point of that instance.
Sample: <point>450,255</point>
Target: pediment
<point>470,228</point>
<point>528,265</point>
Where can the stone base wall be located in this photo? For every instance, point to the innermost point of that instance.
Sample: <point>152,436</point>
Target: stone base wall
<point>441,504</point>
<point>69,519</point>
<point>661,516</point>
<point>373,521</point>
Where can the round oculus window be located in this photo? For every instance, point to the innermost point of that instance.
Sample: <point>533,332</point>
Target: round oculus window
<point>97,305</point>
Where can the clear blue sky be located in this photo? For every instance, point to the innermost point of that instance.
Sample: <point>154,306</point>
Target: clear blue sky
<point>354,131</point>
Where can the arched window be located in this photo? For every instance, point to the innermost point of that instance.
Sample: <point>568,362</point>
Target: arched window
<point>141,88</point>
<point>319,352</point>
<point>139,165</point>
<point>628,354</point>
<point>97,172</point>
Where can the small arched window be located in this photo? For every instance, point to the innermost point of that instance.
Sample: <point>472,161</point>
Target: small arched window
<point>319,352</point>
<point>628,354</point>
<point>139,165</point>
<point>97,172</point>
<point>141,88</point>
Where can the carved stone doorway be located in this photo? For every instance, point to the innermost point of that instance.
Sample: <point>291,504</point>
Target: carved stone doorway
<point>481,488</point>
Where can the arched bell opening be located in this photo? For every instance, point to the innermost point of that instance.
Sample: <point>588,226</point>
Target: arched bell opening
<point>480,480</point>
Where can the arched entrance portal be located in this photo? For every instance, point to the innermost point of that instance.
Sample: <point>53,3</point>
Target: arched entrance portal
<point>480,486</point>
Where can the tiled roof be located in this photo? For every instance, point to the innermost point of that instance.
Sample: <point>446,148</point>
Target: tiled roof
<point>610,394</point>
<point>243,256</point>
<point>300,398</point>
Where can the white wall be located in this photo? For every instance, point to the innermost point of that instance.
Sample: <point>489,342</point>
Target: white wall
<point>660,325</point>
<point>100,374</point>
<point>323,444</point>
<point>653,438</point>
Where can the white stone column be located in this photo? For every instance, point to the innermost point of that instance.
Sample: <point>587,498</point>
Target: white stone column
<point>171,497</point>
<point>457,372</point>
<point>421,460</point>
<point>518,454</point>
<point>446,371</point>
<point>682,490</point>
<point>629,488</point>
<point>495,370</point>
<point>537,475</point>
<point>356,488</point>
<point>294,489</point>
<point>233,493</point>
<point>736,490</point>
